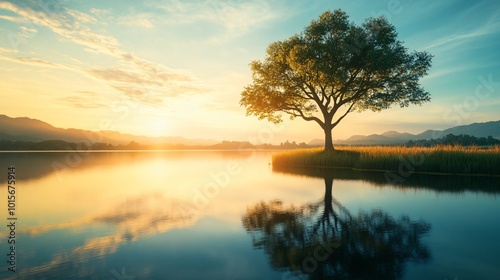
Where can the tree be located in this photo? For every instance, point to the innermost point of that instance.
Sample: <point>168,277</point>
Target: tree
<point>333,68</point>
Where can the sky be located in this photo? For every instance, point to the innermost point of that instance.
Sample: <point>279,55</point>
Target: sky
<point>177,68</point>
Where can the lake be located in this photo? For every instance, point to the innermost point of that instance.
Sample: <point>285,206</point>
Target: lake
<point>229,215</point>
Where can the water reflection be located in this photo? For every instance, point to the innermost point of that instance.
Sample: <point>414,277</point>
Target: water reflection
<point>84,217</point>
<point>438,183</point>
<point>36,165</point>
<point>128,222</point>
<point>323,240</point>
<point>141,211</point>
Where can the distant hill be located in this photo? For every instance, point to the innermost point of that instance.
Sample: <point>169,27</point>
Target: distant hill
<point>393,137</point>
<point>27,129</point>
<point>476,129</point>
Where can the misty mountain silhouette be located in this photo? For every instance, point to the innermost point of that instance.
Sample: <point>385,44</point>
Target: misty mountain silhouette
<point>485,129</point>
<point>27,129</point>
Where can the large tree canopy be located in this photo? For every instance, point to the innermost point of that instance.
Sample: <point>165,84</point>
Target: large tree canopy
<point>335,67</point>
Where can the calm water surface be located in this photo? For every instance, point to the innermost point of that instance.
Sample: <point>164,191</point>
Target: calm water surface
<point>229,215</point>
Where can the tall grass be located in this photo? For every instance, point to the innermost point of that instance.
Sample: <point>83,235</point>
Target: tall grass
<point>439,159</point>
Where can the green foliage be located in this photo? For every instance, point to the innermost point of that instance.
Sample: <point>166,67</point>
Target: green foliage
<point>7,145</point>
<point>451,139</point>
<point>333,68</point>
<point>11,145</point>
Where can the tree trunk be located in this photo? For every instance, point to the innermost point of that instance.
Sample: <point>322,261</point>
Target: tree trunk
<point>328,139</point>
<point>328,212</point>
<point>328,196</point>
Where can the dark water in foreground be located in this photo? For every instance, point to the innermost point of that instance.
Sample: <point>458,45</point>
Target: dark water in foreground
<point>229,215</point>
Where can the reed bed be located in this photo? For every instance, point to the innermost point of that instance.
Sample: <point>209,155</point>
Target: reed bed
<point>438,159</point>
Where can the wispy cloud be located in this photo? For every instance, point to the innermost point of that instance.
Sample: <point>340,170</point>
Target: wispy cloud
<point>153,81</point>
<point>85,100</point>
<point>114,74</point>
<point>28,29</point>
<point>444,72</point>
<point>11,18</point>
<point>141,94</point>
<point>131,220</point>
<point>29,60</point>
<point>490,26</point>
<point>144,20</point>
<point>4,50</point>
<point>235,18</point>
<point>101,13</point>
<point>81,17</point>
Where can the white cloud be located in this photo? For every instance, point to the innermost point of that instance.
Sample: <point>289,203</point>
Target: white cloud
<point>235,18</point>
<point>29,60</point>
<point>490,26</point>
<point>3,50</point>
<point>130,75</point>
<point>11,18</point>
<point>444,72</point>
<point>143,20</point>
<point>85,100</point>
<point>28,30</point>
<point>100,12</point>
<point>81,17</point>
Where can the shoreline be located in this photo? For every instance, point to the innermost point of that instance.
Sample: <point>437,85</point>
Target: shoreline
<point>440,160</point>
<point>387,170</point>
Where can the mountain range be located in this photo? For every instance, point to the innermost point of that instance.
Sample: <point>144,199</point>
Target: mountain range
<point>484,129</point>
<point>27,129</point>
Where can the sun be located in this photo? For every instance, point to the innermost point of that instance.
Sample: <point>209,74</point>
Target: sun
<point>158,127</point>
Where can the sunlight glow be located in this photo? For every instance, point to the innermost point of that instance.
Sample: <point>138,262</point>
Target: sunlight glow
<point>177,68</point>
<point>158,128</point>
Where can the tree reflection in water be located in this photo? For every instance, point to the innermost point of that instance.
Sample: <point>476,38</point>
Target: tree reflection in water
<point>323,240</point>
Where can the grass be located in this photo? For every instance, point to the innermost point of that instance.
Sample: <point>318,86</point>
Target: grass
<point>439,159</point>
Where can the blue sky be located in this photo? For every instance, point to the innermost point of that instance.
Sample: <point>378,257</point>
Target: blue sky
<point>177,68</point>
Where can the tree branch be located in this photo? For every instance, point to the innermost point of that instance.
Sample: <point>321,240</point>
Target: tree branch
<point>361,89</point>
<point>297,112</point>
<point>345,114</point>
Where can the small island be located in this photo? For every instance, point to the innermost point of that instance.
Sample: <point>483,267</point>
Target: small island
<point>335,67</point>
<point>398,162</point>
